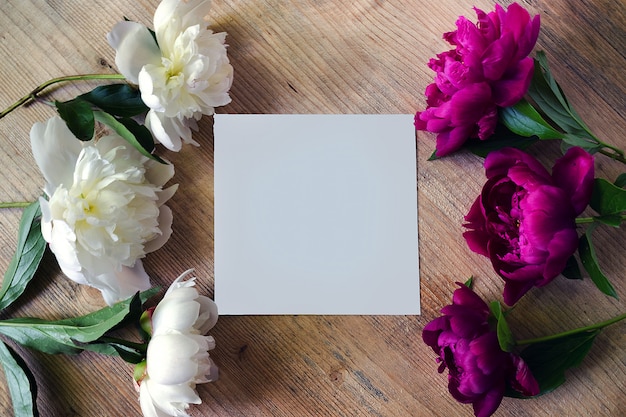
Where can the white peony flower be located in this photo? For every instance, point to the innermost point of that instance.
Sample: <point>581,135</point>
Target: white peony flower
<point>181,76</point>
<point>105,209</point>
<point>178,352</point>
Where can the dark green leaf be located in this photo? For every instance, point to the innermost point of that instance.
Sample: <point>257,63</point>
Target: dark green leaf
<point>138,136</point>
<point>116,99</point>
<point>79,117</point>
<point>614,220</point>
<point>621,181</point>
<point>28,254</point>
<point>502,138</point>
<point>130,352</point>
<point>20,381</point>
<point>607,198</point>
<point>524,120</point>
<point>572,270</point>
<point>433,156</point>
<point>58,336</point>
<point>587,144</point>
<point>549,360</point>
<point>505,337</point>
<point>589,260</point>
<point>469,283</point>
<point>547,94</point>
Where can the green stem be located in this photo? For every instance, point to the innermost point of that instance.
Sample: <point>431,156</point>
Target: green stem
<point>596,326</point>
<point>18,204</point>
<point>617,154</point>
<point>587,220</point>
<point>80,77</point>
<point>139,347</point>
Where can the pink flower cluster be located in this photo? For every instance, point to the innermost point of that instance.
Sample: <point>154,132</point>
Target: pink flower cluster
<point>467,344</point>
<point>524,218</point>
<point>488,68</point>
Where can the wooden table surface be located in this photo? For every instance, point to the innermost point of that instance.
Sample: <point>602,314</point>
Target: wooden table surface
<point>363,56</point>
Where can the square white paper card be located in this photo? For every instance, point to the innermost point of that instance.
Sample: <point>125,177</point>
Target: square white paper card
<point>316,214</point>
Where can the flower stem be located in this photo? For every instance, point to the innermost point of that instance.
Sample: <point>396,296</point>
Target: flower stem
<point>80,77</point>
<point>616,154</point>
<point>18,204</point>
<point>586,220</point>
<point>596,326</point>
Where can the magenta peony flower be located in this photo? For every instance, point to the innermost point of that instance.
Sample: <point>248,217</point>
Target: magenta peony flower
<point>524,219</point>
<point>467,345</point>
<point>489,68</point>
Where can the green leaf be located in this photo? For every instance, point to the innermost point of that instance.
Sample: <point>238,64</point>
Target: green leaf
<point>28,254</point>
<point>584,142</point>
<point>589,260</point>
<point>79,117</point>
<point>129,352</point>
<point>116,99</point>
<point>572,270</point>
<point>59,336</point>
<point>502,138</point>
<point>138,136</point>
<point>469,283</point>
<point>549,360</point>
<point>505,337</point>
<point>607,198</point>
<point>614,220</point>
<point>621,181</point>
<point>20,381</point>
<point>524,120</point>
<point>547,94</point>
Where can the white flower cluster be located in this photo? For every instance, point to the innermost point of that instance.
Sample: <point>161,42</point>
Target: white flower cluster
<point>105,208</point>
<point>182,70</point>
<point>178,352</point>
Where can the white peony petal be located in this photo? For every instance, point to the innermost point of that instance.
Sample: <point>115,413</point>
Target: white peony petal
<point>169,131</point>
<point>168,138</point>
<point>56,150</point>
<point>173,400</point>
<point>63,245</point>
<point>158,173</point>
<point>182,13</point>
<point>170,359</point>
<point>208,315</point>
<point>147,403</point>
<point>172,314</point>
<point>135,47</point>
<point>118,286</point>
<point>165,220</point>
<point>166,194</point>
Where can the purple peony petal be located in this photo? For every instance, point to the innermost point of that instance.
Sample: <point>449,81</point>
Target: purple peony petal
<point>448,142</point>
<point>469,104</point>
<point>561,248</point>
<point>524,380</point>
<point>497,57</point>
<point>501,161</point>
<point>514,84</point>
<point>431,332</point>
<point>574,173</point>
<point>487,123</point>
<point>547,210</point>
<point>489,403</point>
<point>514,290</point>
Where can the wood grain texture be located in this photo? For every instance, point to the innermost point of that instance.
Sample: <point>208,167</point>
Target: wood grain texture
<point>363,56</point>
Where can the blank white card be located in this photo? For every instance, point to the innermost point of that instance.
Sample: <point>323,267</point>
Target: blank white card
<point>316,214</point>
